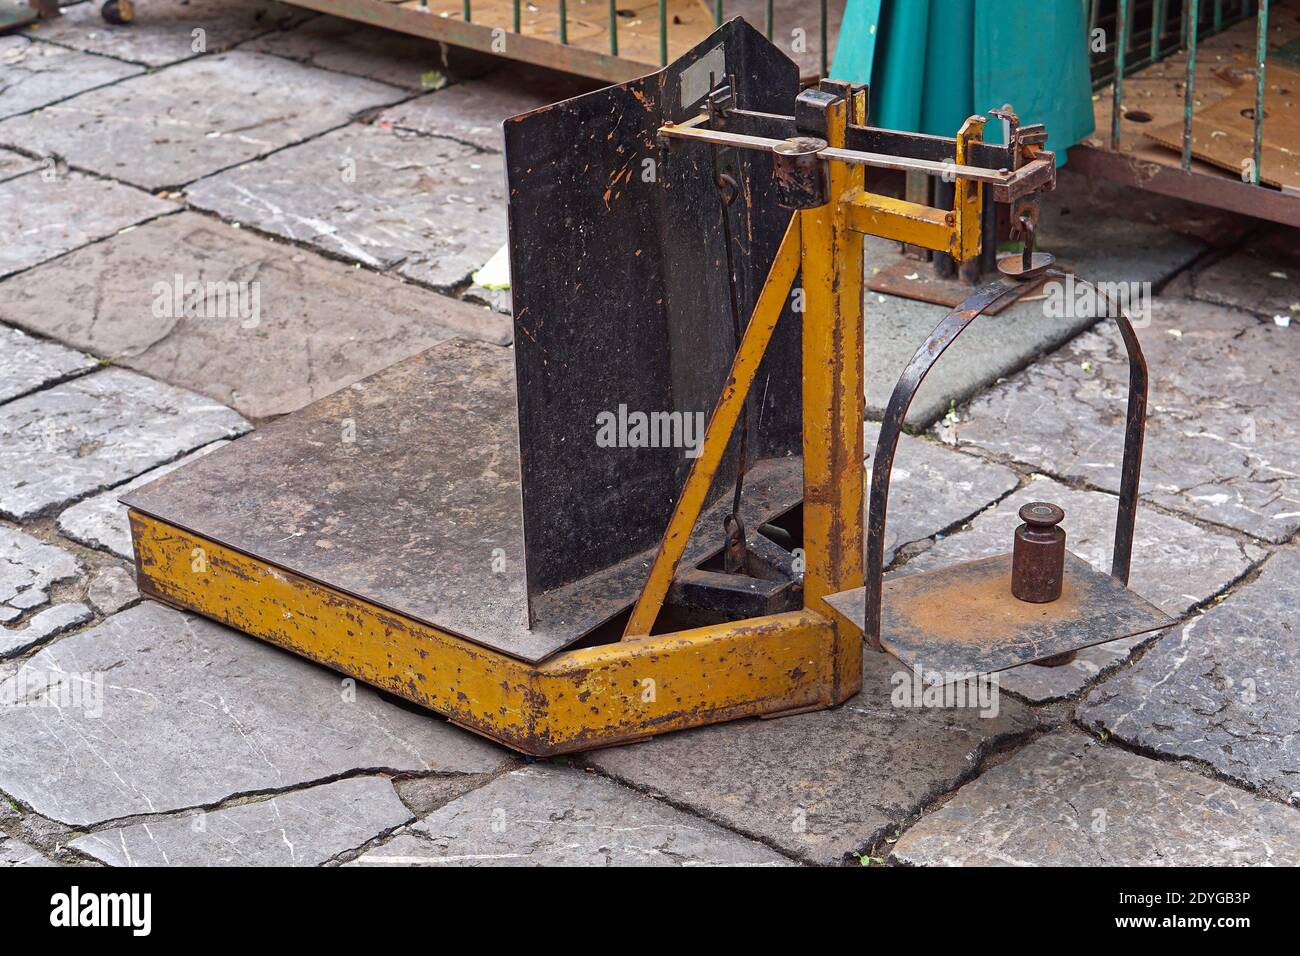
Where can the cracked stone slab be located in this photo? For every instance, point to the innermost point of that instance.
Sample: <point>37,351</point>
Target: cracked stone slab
<point>178,712</point>
<point>1082,228</point>
<point>165,32</point>
<point>399,59</point>
<point>172,126</point>
<point>101,522</point>
<point>1176,565</point>
<point>28,569</point>
<point>34,74</point>
<point>431,208</point>
<point>15,164</point>
<point>1222,437</point>
<point>299,327</point>
<point>1221,688</point>
<point>932,487</point>
<point>544,815</point>
<point>826,784</point>
<point>302,828</point>
<point>42,217</point>
<point>111,589</point>
<point>48,623</point>
<point>27,364</point>
<point>1067,800</point>
<point>1263,278</point>
<point>17,853</point>
<point>472,112</point>
<point>80,437</point>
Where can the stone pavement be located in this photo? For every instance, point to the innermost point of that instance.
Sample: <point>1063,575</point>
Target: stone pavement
<point>232,208</point>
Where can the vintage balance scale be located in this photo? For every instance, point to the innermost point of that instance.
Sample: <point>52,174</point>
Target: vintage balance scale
<point>450,531</point>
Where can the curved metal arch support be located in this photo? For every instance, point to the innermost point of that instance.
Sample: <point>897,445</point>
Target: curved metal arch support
<point>891,427</point>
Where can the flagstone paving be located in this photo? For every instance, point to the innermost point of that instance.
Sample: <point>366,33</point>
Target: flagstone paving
<point>1067,800</point>
<point>1222,688</point>
<point>80,437</point>
<point>44,216</point>
<point>297,326</point>
<point>15,164</point>
<point>41,627</point>
<point>178,712</point>
<point>172,126</point>
<point>28,569</point>
<point>304,828</point>
<point>554,816</point>
<point>35,74</point>
<point>1222,439</point>
<point>429,207</point>
<point>164,31</point>
<point>27,363</point>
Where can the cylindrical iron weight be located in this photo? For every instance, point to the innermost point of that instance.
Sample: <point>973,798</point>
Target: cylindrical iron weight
<point>1038,558</point>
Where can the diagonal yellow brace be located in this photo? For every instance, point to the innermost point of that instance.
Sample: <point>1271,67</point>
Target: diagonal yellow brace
<point>744,368</point>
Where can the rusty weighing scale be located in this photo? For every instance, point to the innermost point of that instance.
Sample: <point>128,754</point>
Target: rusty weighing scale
<point>452,530</point>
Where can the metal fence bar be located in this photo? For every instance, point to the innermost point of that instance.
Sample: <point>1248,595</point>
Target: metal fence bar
<point>717,13</point>
<point>517,15</point>
<point>1117,87</point>
<point>1218,15</point>
<point>767,20</point>
<point>663,32</point>
<point>826,53</point>
<point>1189,86</point>
<point>1261,55</point>
<point>468,17</point>
<point>613,27</point>
<point>564,21</point>
<point>1157,28</point>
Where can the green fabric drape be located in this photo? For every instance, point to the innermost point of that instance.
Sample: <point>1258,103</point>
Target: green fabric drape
<point>932,63</point>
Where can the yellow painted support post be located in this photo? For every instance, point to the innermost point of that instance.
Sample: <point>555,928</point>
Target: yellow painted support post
<point>968,198</point>
<point>767,310</point>
<point>832,401</point>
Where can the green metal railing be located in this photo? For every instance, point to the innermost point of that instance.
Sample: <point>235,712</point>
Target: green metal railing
<point>1147,32</point>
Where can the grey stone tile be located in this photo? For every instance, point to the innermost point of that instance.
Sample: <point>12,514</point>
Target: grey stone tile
<point>164,30</point>
<point>42,217</point>
<point>302,828</point>
<point>101,522</point>
<point>313,326</point>
<point>170,127</point>
<point>16,853</point>
<point>1222,442</point>
<point>431,208</point>
<point>15,164</point>
<point>46,624</point>
<point>28,569</point>
<point>1067,800</point>
<point>553,816</point>
<point>826,784</point>
<point>1264,277</point>
<point>1221,688</point>
<point>163,711</point>
<point>34,74</point>
<point>399,59</point>
<point>27,364</point>
<point>91,433</point>
<point>1085,231</point>
<point>933,487</point>
<point>473,112</point>
<point>111,589</point>
<point>1176,565</point>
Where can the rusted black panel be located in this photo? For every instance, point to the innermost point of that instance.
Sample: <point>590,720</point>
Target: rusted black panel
<point>621,298</point>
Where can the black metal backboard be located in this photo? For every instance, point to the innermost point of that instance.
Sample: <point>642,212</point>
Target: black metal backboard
<point>621,298</point>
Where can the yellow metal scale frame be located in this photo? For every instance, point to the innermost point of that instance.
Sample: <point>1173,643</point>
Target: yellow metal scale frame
<point>646,683</point>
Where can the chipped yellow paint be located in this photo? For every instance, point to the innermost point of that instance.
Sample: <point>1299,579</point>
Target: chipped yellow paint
<point>575,700</point>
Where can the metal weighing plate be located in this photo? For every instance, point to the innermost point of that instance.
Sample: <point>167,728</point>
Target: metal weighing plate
<point>962,620</point>
<point>403,490</point>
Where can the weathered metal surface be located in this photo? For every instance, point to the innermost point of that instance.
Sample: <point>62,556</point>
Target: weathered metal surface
<point>1038,555</point>
<point>403,490</point>
<point>800,174</point>
<point>910,279</point>
<point>576,700</point>
<point>962,619</point>
<point>622,300</point>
